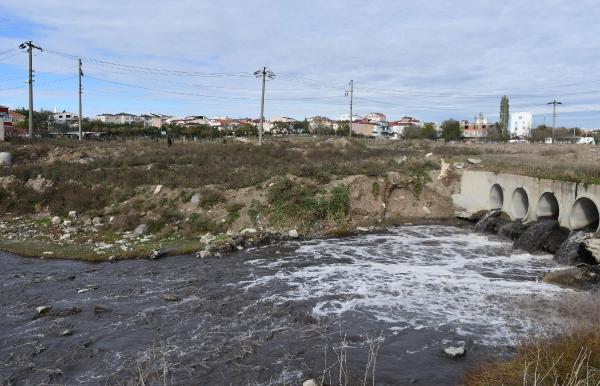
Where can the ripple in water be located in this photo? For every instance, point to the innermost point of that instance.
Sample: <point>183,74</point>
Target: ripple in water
<point>417,277</point>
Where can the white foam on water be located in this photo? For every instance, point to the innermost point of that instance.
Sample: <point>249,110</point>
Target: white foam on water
<point>420,277</point>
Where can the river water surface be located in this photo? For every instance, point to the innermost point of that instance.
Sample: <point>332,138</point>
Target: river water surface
<point>273,315</point>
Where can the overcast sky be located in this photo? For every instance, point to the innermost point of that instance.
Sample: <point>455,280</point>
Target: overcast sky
<point>433,59</point>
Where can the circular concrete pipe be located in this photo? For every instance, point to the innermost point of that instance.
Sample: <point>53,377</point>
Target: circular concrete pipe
<point>496,197</point>
<point>584,215</point>
<point>520,204</point>
<point>547,207</point>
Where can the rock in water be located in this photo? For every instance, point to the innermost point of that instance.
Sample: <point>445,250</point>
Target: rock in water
<point>41,310</point>
<point>491,222</point>
<point>534,239</point>
<point>157,253</point>
<point>309,382</point>
<point>455,352</point>
<point>5,159</point>
<point>512,230</point>
<point>574,251</point>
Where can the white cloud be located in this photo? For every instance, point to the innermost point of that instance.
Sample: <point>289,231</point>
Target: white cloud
<point>453,48</point>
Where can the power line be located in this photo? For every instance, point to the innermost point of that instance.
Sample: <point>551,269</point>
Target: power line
<point>151,69</point>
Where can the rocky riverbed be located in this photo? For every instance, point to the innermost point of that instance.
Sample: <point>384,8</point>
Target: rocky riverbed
<point>277,314</point>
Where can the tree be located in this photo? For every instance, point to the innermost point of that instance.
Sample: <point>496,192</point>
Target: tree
<point>428,131</point>
<point>540,133</point>
<point>246,130</point>
<point>412,132</point>
<point>451,130</point>
<point>504,116</point>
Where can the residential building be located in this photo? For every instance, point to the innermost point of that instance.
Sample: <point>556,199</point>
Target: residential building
<point>155,120</point>
<point>376,117</point>
<point>397,127</point>
<point>7,125</point>
<point>475,130</point>
<point>15,117</point>
<point>319,122</point>
<point>120,118</point>
<point>521,124</point>
<point>64,117</point>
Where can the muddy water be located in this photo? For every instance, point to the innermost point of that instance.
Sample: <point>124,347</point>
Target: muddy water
<point>272,315</point>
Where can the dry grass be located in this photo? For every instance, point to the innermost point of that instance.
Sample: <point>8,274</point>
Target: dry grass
<point>568,360</point>
<point>567,354</point>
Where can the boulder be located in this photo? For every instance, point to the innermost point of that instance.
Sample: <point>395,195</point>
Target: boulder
<point>592,245</point>
<point>8,181</point>
<point>141,229</point>
<point>248,231</point>
<point>574,250</point>
<point>293,234</point>
<point>455,352</point>
<point>39,184</point>
<point>459,165</point>
<point>474,161</point>
<point>96,221</point>
<point>67,223</point>
<point>64,237</point>
<point>512,230</point>
<point>195,200</point>
<point>158,189</point>
<point>207,238</point>
<point>309,382</point>
<point>203,254</point>
<point>445,170</point>
<point>66,332</point>
<point>56,220</point>
<point>72,214</point>
<point>5,159</point>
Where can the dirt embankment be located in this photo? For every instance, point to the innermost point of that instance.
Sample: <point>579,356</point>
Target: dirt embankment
<point>96,202</point>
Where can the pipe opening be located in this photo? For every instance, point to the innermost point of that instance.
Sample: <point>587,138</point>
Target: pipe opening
<point>520,204</point>
<point>584,215</point>
<point>547,207</point>
<point>496,197</point>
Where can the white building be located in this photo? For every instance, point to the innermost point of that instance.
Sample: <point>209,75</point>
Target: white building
<point>376,117</point>
<point>64,117</point>
<point>121,118</point>
<point>521,124</point>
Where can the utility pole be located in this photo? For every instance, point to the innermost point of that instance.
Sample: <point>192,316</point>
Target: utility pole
<point>264,73</point>
<point>554,103</point>
<point>80,92</point>
<point>30,46</point>
<point>350,93</point>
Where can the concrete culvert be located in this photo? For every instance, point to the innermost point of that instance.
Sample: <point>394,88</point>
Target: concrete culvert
<point>520,204</point>
<point>496,197</point>
<point>584,215</point>
<point>547,207</point>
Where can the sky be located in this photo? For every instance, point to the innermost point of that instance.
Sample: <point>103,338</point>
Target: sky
<point>432,60</point>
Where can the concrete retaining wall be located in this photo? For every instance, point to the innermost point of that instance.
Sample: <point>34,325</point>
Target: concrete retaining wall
<point>528,199</point>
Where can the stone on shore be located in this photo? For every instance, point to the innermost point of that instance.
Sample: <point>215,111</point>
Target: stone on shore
<point>72,214</point>
<point>5,159</point>
<point>141,230</point>
<point>293,234</point>
<point>474,161</point>
<point>158,189</point>
<point>96,221</point>
<point>55,220</point>
<point>195,200</point>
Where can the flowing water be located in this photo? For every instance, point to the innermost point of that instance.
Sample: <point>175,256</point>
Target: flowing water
<point>273,315</point>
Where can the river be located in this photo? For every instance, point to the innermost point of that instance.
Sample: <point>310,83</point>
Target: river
<point>273,315</point>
